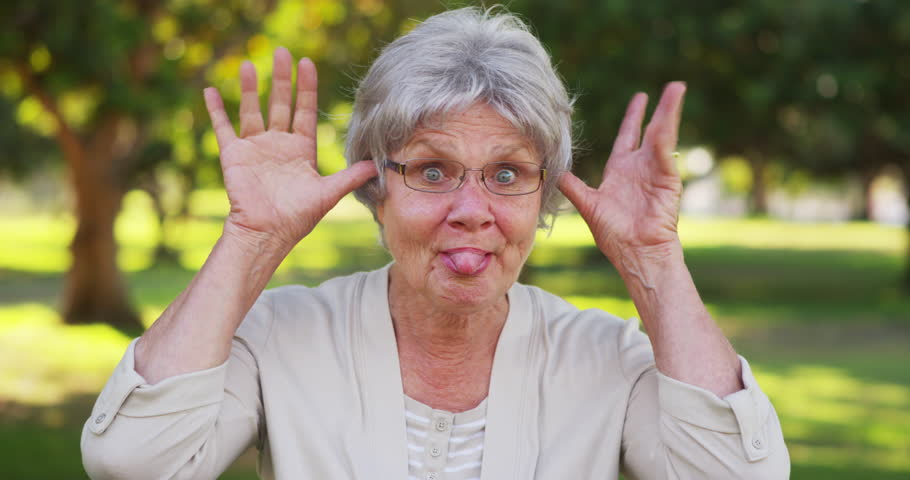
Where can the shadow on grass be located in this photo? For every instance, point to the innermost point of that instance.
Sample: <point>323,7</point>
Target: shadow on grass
<point>743,274</point>
<point>825,472</point>
<point>18,286</point>
<point>835,283</point>
<point>42,443</point>
<point>839,312</point>
<point>752,287</point>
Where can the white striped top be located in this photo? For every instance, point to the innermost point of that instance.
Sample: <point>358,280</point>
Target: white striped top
<point>444,445</point>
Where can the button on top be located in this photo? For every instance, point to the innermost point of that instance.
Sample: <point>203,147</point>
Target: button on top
<point>100,418</point>
<point>435,451</point>
<point>757,443</point>
<point>442,425</point>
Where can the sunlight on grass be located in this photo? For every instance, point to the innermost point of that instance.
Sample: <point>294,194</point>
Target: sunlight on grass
<point>43,361</point>
<point>832,418</point>
<point>767,233</point>
<point>33,258</point>
<point>313,255</point>
<point>571,230</point>
<point>47,230</point>
<point>39,243</point>
<point>36,243</point>
<point>622,308</point>
<point>213,202</point>
<point>568,230</point>
<point>829,416</point>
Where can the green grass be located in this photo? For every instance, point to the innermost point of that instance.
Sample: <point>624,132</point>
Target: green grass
<point>816,308</point>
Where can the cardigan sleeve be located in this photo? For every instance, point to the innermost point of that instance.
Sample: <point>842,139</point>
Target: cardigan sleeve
<point>189,426</point>
<point>674,430</point>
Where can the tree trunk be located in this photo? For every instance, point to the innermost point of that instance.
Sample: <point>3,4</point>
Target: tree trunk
<point>867,177</point>
<point>94,290</point>
<point>758,196</point>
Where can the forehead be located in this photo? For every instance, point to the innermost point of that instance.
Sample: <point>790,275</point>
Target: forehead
<point>479,126</point>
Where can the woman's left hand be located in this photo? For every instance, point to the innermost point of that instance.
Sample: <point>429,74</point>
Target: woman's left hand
<point>636,208</point>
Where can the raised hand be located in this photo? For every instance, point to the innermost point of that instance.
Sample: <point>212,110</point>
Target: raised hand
<point>270,174</point>
<point>635,209</point>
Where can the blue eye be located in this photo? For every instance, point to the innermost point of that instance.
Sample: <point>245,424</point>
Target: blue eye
<point>505,176</point>
<point>432,174</point>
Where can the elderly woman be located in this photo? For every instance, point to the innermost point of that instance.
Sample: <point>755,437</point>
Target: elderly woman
<point>440,365</point>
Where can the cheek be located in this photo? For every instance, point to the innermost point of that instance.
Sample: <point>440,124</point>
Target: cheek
<point>409,221</point>
<point>518,222</point>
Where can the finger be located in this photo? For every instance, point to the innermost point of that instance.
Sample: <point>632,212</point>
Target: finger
<point>280,98</point>
<point>575,190</point>
<point>224,131</point>
<point>250,115</point>
<point>344,182</point>
<point>663,129</point>
<point>305,112</point>
<point>630,131</point>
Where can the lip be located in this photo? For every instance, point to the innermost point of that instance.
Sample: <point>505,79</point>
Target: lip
<point>446,256</point>
<point>476,251</point>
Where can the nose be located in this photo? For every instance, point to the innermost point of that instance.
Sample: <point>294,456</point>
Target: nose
<point>471,205</point>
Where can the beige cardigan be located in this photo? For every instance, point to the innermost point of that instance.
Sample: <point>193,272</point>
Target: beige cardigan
<point>313,381</point>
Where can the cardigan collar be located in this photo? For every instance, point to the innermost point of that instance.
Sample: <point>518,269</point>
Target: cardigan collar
<point>511,437</point>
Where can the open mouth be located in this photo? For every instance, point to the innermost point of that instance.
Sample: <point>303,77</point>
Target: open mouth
<point>466,261</point>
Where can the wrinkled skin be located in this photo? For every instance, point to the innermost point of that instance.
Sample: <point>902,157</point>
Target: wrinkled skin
<point>461,251</point>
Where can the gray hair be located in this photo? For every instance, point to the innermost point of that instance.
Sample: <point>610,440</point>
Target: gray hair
<point>446,64</point>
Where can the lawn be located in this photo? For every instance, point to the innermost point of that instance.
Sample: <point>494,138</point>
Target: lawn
<point>816,308</point>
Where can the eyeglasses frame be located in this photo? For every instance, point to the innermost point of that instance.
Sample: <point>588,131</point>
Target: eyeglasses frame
<point>399,167</point>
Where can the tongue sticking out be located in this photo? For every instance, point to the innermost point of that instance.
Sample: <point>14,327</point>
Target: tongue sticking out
<point>466,263</point>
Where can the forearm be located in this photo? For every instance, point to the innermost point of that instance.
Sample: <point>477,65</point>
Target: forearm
<point>194,333</point>
<point>688,345</point>
<point>187,427</point>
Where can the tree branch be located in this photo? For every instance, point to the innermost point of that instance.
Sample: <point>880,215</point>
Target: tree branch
<point>69,140</point>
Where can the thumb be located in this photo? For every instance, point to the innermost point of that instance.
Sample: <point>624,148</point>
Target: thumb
<point>575,190</point>
<point>344,182</point>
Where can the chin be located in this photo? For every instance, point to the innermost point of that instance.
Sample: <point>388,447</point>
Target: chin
<point>466,294</point>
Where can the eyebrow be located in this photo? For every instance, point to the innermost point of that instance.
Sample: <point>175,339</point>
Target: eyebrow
<point>436,147</point>
<point>504,150</point>
<point>445,147</point>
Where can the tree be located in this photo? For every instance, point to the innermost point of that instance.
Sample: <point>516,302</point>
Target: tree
<point>113,88</point>
<point>812,85</point>
<point>105,72</point>
<point>117,86</point>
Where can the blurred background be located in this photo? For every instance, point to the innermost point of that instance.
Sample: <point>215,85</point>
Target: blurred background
<point>795,153</point>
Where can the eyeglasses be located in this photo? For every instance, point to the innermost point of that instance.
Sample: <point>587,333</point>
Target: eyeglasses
<point>438,175</point>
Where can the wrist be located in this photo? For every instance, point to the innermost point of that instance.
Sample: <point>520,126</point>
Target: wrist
<point>645,262</point>
<point>659,284</point>
<point>253,243</point>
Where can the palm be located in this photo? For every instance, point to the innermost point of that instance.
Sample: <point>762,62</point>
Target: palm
<point>636,206</point>
<point>270,175</point>
<point>266,184</point>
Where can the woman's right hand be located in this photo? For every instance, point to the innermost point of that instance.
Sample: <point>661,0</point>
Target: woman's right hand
<point>270,175</point>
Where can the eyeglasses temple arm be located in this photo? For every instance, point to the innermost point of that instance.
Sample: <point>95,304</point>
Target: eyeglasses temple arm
<point>398,167</point>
